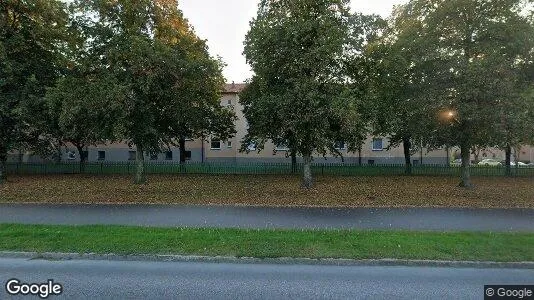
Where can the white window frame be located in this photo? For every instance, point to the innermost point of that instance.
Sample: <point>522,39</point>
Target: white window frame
<point>229,144</point>
<point>281,147</point>
<point>211,144</point>
<point>373,144</point>
<point>342,148</point>
<point>252,147</point>
<point>71,155</point>
<point>167,157</point>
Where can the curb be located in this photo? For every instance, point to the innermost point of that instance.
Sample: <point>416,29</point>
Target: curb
<point>275,261</point>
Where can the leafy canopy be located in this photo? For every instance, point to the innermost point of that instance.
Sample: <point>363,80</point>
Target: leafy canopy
<point>298,97</point>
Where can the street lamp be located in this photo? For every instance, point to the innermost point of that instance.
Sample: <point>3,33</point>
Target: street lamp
<point>450,116</point>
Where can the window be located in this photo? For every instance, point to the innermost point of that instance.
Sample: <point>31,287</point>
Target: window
<point>101,155</point>
<point>378,144</point>
<point>415,162</point>
<point>229,144</point>
<point>187,155</point>
<point>282,147</point>
<point>251,147</point>
<point>340,145</point>
<point>215,145</point>
<point>153,156</point>
<point>168,155</point>
<point>371,162</point>
<point>131,155</point>
<point>71,155</point>
<point>229,103</point>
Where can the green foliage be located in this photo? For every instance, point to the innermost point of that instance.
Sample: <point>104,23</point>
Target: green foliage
<point>85,107</point>
<point>31,39</point>
<point>171,84</point>
<point>467,57</point>
<point>298,96</point>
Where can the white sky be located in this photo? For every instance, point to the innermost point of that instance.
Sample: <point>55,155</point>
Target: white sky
<point>224,24</point>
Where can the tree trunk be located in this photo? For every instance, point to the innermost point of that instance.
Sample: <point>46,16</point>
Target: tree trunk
<point>508,160</point>
<point>466,162</point>
<point>140,176</point>
<point>293,162</point>
<point>58,154</point>
<point>3,172</point>
<point>407,145</point>
<point>83,159</point>
<point>517,152</point>
<point>20,156</point>
<point>307,180</point>
<point>476,152</point>
<point>182,150</point>
<point>360,156</point>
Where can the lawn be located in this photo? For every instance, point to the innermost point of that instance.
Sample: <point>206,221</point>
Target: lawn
<point>476,246</point>
<point>272,190</point>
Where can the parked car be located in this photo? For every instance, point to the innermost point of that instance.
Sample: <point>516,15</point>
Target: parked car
<point>513,164</point>
<point>490,162</point>
<point>519,164</point>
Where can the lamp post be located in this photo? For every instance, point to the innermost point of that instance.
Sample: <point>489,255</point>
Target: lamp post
<point>451,116</point>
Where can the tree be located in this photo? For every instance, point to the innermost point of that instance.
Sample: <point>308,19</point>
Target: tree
<point>462,42</point>
<point>265,123</point>
<point>395,105</point>
<point>31,37</point>
<point>172,85</point>
<point>516,126</point>
<point>297,52</point>
<point>85,108</point>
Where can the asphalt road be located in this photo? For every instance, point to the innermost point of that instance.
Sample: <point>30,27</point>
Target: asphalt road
<point>157,280</point>
<point>257,217</point>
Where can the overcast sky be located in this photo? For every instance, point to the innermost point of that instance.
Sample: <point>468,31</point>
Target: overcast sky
<point>224,24</point>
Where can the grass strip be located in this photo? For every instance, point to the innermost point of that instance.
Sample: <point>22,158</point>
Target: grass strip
<point>351,244</point>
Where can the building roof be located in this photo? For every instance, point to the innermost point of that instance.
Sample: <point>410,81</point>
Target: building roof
<point>234,88</point>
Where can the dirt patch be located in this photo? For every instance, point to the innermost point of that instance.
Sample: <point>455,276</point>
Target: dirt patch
<point>394,191</point>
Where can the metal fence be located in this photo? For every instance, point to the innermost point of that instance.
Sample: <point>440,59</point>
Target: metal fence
<point>336,169</point>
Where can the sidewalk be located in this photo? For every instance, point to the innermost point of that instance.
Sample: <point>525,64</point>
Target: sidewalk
<point>434,219</point>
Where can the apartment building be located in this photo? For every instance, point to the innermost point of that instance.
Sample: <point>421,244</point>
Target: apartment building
<point>373,151</point>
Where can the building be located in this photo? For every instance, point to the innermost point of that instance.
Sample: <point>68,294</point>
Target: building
<point>211,150</point>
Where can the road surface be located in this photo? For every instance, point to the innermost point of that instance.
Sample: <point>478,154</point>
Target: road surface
<point>164,280</point>
<point>437,219</point>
